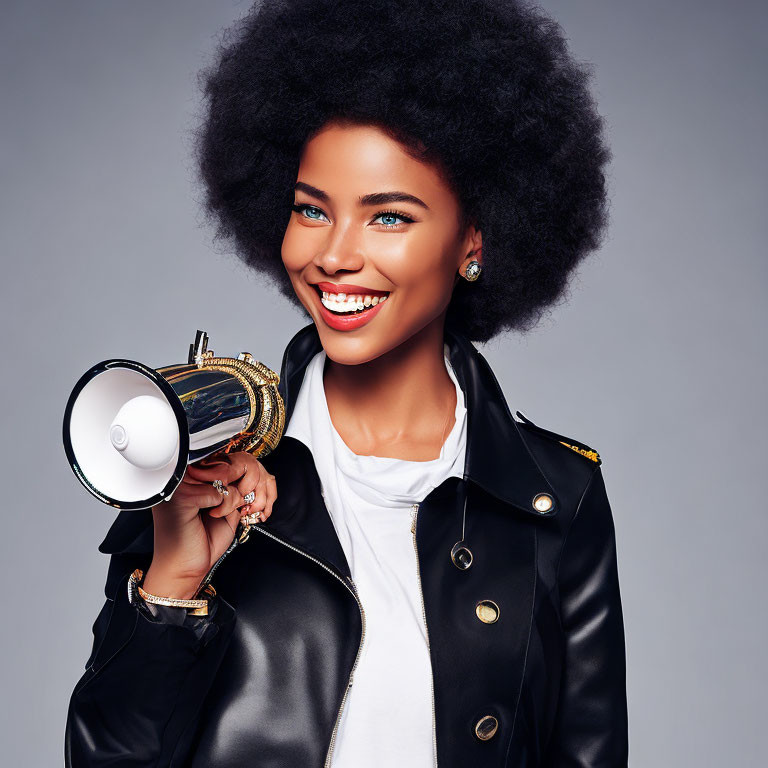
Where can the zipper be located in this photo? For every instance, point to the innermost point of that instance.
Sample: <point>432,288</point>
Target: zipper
<point>415,512</point>
<point>350,585</point>
<point>208,576</point>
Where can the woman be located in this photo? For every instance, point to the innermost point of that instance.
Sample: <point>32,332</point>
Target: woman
<point>437,581</point>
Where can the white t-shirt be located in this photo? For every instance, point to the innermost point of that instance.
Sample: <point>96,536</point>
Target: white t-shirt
<point>387,717</point>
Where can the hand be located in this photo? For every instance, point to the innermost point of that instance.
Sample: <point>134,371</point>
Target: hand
<point>197,525</point>
<point>250,475</point>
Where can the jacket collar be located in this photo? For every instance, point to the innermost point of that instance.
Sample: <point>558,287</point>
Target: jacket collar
<point>497,457</point>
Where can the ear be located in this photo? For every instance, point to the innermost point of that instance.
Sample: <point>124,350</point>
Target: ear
<point>473,248</point>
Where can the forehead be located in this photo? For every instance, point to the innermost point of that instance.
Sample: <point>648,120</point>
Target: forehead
<point>349,161</point>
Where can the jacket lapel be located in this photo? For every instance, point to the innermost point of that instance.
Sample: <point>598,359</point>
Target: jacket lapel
<point>497,459</point>
<point>300,517</point>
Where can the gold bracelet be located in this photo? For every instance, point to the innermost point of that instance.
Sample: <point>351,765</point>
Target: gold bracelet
<point>198,607</point>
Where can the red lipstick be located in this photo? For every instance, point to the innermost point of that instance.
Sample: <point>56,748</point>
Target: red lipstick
<point>350,289</point>
<point>352,320</point>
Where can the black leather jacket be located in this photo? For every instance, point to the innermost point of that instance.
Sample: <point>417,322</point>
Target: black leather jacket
<point>262,679</point>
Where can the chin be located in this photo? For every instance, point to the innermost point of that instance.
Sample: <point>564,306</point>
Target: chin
<point>348,348</point>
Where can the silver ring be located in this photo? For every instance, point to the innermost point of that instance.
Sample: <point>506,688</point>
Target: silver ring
<point>252,518</point>
<point>219,486</point>
<point>249,497</point>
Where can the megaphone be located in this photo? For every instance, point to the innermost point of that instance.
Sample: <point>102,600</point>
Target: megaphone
<point>130,430</point>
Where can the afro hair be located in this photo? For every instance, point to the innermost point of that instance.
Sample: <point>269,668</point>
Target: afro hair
<point>484,89</point>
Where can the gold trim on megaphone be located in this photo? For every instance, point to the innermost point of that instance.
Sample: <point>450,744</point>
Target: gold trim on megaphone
<point>266,419</point>
<point>260,383</point>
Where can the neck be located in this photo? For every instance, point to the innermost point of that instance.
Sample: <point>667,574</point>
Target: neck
<point>400,404</point>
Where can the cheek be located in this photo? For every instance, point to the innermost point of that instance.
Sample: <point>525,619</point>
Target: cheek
<point>293,250</point>
<point>425,269</point>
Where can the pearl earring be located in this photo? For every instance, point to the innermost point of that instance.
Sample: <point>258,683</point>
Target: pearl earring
<point>472,271</point>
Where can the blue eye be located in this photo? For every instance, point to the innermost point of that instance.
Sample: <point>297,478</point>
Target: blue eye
<point>303,208</point>
<point>394,215</point>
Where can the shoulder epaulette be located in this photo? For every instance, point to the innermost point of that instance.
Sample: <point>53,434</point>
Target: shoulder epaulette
<point>574,445</point>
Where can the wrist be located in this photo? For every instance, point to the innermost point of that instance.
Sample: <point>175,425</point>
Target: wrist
<point>164,583</point>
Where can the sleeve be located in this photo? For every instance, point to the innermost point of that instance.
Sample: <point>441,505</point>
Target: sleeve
<point>591,728</point>
<point>140,698</point>
<point>201,626</point>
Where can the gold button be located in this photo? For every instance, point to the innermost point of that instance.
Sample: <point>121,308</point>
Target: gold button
<point>486,727</point>
<point>543,502</point>
<point>487,611</point>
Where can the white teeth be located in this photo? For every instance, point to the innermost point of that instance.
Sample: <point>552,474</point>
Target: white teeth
<point>342,303</point>
<point>339,306</point>
<point>383,298</point>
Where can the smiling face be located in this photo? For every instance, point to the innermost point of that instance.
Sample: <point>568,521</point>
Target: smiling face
<point>374,243</point>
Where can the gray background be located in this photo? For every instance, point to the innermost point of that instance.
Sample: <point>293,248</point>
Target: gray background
<point>656,360</point>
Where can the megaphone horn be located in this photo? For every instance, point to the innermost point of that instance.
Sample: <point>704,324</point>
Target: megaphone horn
<point>130,430</point>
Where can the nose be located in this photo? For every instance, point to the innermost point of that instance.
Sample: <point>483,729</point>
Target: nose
<point>342,252</point>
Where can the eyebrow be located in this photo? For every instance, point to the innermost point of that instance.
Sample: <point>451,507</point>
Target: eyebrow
<point>375,198</point>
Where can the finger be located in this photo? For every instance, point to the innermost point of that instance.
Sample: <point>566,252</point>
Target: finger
<point>215,503</point>
<point>211,460</point>
<point>271,487</point>
<point>242,462</point>
<point>224,471</point>
<point>251,478</point>
<point>237,463</point>
<point>229,503</point>
<point>191,480</point>
<point>260,497</point>
<point>198,493</point>
<point>233,518</point>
